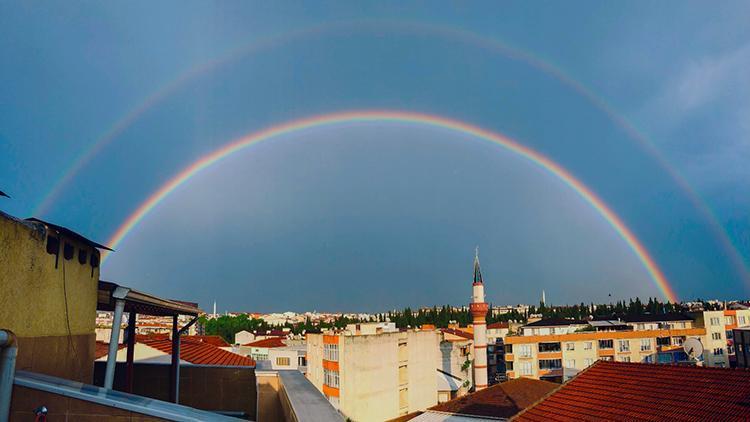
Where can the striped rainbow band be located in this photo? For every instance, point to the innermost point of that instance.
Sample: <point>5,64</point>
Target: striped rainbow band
<point>656,275</point>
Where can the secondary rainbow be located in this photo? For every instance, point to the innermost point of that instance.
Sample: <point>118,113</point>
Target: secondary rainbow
<point>656,275</point>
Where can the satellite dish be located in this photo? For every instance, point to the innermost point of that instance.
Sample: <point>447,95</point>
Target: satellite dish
<point>693,348</point>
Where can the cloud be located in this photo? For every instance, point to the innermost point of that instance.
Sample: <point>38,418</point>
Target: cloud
<point>701,83</point>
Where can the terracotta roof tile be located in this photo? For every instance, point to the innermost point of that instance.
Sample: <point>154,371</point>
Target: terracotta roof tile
<point>497,325</point>
<point>217,341</point>
<point>500,400</point>
<point>102,349</point>
<point>647,392</point>
<point>267,342</point>
<point>458,333</point>
<point>200,353</point>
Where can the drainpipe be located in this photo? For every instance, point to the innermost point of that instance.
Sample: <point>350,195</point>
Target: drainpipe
<point>7,371</point>
<point>109,376</point>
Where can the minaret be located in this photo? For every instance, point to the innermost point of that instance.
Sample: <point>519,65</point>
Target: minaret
<point>214,314</point>
<point>478,311</point>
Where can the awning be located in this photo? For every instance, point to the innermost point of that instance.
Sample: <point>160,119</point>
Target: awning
<point>142,303</point>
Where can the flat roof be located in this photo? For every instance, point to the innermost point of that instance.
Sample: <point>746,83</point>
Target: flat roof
<point>115,399</point>
<point>308,404</point>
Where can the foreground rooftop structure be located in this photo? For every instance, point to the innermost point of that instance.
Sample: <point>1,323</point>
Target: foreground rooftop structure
<point>639,391</point>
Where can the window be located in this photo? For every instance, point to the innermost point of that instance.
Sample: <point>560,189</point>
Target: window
<point>588,362</point>
<point>623,345</point>
<point>549,347</point>
<point>508,348</point>
<point>588,345</point>
<point>641,327</point>
<point>301,361</point>
<point>716,336</point>
<point>570,346</point>
<point>719,351</point>
<point>570,363</point>
<point>509,366</point>
<point>730,335</point>
<point>606,344</point>
<point>677,341</point>
<point>730,320</point>
<point>331,352</point>
<point>665,358</point>
<point>550,364</point>
<point>625,359</point>
<point>524,350</point>
<point>331,378</point>
<point>525,368</point>
<point>715,321</point>
<point>282,361</point>
<point>741,320</point>
<point>645,344</point>
<point>649,359</point>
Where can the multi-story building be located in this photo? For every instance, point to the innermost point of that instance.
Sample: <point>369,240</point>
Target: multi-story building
<point>559,356</point>
<point>374,377</point>
<point>719,347</point>
<point>741,338</point>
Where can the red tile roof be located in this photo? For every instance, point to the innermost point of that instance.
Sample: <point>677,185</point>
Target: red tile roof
<point>642,391</point>
<point>501,400</point>
<point>496,325</point>
<point>217,341</point>
<point>267,342</point>
<point>102,349</point>
<point>200,353</point>
<point>458,333</point>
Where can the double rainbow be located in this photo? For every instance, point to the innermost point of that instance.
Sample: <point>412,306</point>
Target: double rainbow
<point>540,160</point>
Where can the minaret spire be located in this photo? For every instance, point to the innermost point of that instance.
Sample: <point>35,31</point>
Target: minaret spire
<point>478,309</point>
<point>477,268</point>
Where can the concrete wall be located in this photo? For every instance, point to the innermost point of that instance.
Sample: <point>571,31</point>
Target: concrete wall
<point>269,404</point>
<point>54,339</point>
<point>315,360</point>
<point>377,384</point>
<point>710,343</point>
<point>61,408</point>
<point>202,387</point>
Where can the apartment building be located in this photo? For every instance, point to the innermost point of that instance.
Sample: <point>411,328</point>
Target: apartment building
<point>558,357</point>
<point>719,349</point>
<point>374,377</point>
<point>741,337</point>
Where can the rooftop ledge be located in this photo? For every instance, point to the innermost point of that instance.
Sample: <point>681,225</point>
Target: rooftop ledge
<point>302,402</point>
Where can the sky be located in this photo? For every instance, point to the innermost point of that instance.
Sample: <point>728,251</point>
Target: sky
<point>647,104</point>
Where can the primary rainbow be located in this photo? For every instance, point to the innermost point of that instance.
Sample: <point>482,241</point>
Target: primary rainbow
<point>545,163</point>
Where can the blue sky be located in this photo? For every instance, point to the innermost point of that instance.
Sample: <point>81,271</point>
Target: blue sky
<point>378,215</point>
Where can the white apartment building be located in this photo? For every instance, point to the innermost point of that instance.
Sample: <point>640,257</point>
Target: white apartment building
<point>374,377</point>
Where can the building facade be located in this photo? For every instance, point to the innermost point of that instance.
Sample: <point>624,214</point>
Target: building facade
<point>558,357</point>
<point>48,296</point>
<point>374,377</point>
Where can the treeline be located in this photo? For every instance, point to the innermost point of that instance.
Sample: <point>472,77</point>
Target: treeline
<point>440,317</point>
<point>227,326</point>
